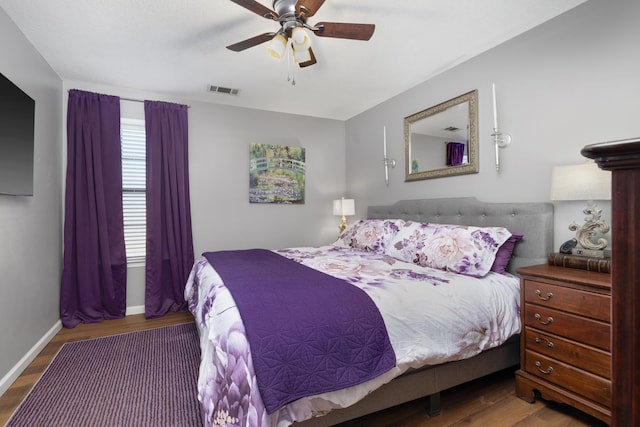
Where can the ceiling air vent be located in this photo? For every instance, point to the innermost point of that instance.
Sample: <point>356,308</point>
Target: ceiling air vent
<point>220,89</point>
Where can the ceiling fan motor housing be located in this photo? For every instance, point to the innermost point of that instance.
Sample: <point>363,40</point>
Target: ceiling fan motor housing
<point>287,15</point>
<point>284,7</point>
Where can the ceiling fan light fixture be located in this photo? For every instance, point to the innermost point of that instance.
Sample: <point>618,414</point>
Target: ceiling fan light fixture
<point>300,39</point>
<point>300,56</point>
<point>277,45</point>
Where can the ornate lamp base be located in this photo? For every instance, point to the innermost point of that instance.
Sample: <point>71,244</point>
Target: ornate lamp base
<point>585,233</point>
<point>343,224</point>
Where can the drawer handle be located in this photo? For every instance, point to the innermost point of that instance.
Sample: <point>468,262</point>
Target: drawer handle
<point>547,298</point>
<point>544,322</point>
<point>544,371</point>
<point>549,343</point>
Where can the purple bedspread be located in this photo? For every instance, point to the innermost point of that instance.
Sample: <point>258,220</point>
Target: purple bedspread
<point>309,332</point>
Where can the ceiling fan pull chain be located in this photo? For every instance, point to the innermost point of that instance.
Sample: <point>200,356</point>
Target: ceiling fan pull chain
<point>291,76</point>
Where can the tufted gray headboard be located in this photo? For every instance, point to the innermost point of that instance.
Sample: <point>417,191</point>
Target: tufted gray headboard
<point>534,220</point>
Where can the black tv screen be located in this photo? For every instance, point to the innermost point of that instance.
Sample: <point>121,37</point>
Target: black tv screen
<point>17,112</point>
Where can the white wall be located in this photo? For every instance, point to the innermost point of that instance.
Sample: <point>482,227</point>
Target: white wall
<point>570,82</point>
<point>223,218</point>
<point>30,232</point>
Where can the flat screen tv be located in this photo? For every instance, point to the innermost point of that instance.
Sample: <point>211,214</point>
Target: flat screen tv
<point>17,112</point>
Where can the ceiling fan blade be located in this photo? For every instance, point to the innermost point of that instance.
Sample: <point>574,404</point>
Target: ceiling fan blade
<point>308,8</point>
<point>344,30</point>
<point>253,41</point>
<point>257,8</point>
<point>310,61</point>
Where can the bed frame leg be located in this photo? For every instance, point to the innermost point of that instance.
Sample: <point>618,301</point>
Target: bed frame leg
<point>433,405</point>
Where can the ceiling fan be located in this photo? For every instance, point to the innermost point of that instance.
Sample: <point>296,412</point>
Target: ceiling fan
<point>292,16</point>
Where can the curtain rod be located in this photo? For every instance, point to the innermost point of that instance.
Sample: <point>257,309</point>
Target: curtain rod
<point>123,98</point>
<point>131,99</point>
<point>139,100</point>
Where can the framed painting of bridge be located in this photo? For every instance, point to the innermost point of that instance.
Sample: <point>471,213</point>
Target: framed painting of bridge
<point>276,174</point>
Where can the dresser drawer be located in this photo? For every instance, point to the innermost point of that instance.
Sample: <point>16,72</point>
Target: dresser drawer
<point>589,359</point>
<point>570,378</point>
<point>590,304</point>
<point>587,331</point>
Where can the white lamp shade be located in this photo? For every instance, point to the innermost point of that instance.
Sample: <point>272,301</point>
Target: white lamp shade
<point>301,55</point>
<point>277,45</point>
<point>300,39</point>
<point>344,207</point>
<point>580,182</point>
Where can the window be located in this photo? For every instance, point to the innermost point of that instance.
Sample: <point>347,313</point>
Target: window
<point>134,184</point>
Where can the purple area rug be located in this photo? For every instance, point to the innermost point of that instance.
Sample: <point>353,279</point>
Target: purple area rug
<point>145,378</point>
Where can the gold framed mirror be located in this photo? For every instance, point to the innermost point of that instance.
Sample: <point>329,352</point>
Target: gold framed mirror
<point>442,140</point>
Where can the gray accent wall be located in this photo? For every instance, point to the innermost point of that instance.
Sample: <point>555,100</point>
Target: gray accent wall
<point>567,83</point>
<point>30,227</point>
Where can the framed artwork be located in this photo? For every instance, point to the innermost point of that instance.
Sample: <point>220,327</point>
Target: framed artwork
<point>276,174</point>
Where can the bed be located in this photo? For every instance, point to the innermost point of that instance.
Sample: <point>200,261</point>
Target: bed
<point>389,368</point>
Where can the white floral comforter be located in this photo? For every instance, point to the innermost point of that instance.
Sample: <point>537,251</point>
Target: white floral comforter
<point>431,316</point>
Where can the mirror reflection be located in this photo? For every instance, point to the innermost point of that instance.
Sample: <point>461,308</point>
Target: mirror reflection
<point>442,140</point>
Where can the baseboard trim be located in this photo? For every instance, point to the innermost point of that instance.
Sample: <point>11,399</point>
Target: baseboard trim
<point>15,372</point>
<point>134,309</point>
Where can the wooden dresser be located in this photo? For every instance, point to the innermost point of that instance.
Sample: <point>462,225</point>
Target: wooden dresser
<point>622,158</point>
<point>565,351</point>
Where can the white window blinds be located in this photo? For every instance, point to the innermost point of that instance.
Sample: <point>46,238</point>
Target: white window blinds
<point>134,188</point>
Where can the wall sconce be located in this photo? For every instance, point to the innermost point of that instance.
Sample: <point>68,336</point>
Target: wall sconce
<point>387,161</point>
<point>584,182</point>
<point>344,207</point>
<point>500,139</point>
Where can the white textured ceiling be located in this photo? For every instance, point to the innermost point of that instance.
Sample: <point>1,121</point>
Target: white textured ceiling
<point>177,47</point>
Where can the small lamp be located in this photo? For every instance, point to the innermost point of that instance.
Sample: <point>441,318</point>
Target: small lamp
<point>344,207</point>
<point>584,182</point>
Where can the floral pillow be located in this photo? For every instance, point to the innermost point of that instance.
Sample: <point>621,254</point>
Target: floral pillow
<point>461,249</point>
<point>370,234</point>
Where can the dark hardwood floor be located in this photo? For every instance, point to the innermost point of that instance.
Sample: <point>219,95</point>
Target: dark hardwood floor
<point>488,402</point>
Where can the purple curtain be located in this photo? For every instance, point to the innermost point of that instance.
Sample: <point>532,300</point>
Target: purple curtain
<point>93,286</point>
<point>169,240</point>
<point>455,153</point>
